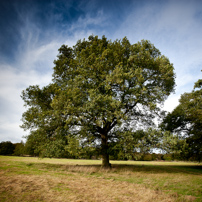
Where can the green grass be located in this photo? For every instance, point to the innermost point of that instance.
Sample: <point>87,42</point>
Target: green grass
<point>181,180</point>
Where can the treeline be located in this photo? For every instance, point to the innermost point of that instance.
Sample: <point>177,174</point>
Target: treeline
<point>9,148</point>
<point>23,149</point>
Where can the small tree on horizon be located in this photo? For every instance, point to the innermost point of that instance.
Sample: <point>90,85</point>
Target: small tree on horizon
<point>98,87</point>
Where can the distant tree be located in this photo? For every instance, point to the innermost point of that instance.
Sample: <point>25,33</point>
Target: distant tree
<point>186,120</point>
<point>174,145</point>
<point>98,86</point>
<point>6,148</point>
<point>19,149</point>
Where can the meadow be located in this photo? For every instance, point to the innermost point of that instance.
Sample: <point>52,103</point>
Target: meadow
<point>35,179</point>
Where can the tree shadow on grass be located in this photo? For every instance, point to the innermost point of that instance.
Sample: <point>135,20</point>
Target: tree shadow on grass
<point>119,168</point>
<point>116,168</point>
<point>196,169</point>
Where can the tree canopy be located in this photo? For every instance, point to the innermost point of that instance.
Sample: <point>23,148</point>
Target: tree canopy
<point>99,87</point>
<point>186,120</point>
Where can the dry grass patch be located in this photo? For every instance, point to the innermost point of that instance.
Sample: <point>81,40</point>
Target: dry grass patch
<point>73,188</point>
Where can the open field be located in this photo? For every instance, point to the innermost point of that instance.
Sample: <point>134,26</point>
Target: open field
<point>34,179</point>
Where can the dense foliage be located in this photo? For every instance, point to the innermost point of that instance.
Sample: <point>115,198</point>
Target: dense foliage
<point>101,91</point>
<point>8,148</point>
<point>186,122</point>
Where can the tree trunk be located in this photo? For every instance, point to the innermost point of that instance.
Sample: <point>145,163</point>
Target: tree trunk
<point>105,154</point>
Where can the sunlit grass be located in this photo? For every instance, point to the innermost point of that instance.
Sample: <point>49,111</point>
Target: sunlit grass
<point>172,181</point>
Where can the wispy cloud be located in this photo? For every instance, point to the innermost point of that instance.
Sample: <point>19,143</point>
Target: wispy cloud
<point>32,64</point>
<point>88,20</point>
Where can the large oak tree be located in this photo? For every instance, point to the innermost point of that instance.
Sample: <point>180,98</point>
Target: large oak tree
<point>98,86</point>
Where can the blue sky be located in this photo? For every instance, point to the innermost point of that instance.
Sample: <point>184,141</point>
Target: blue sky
<point>33,30</point>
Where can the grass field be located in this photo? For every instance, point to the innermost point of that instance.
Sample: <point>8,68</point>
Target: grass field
<point>34,179</point>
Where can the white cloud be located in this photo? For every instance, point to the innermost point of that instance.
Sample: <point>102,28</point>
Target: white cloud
<point>171,102</point>
<point>12,83</point>
<point>11,132</point>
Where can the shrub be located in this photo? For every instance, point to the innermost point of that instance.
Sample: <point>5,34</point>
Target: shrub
<point>147,157</point>
<point>167,157</point>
